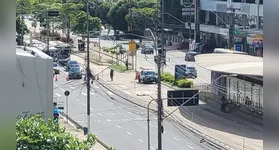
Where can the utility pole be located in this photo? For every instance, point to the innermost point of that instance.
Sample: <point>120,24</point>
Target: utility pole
<point>197,22</point>
<point>232,28</point>
<point>88,73</point>
<point>159,93</point>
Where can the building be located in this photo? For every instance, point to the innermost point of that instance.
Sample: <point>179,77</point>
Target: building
<point>35,82</point>
<point>245,85</point>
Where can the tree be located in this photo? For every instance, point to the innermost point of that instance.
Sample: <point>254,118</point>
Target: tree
<point>102,11</point>
<point>33,132</point>
<point>79,26</point>
<point>116,15</point>
<point>20,25</point>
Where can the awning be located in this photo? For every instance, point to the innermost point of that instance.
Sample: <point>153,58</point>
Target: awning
<point>231,63</point>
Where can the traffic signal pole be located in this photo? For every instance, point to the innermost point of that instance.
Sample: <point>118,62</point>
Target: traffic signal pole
<point>88,69</point>
<point>197,22</point>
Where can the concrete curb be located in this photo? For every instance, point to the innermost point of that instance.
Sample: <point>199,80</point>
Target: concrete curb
<point>78,126</point>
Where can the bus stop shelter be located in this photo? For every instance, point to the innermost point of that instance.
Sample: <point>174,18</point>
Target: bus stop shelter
<point>248,83</point>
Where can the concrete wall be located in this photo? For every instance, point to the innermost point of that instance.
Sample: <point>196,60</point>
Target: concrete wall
<point>220,6</point>
<point>34,76</point>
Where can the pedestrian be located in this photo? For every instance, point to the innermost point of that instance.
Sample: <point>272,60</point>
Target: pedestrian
<point>127,64</point>
<point>111,74</point>
<point>223,104</point>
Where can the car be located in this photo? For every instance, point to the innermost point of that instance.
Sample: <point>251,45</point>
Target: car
<point>71,63</point>
<point>147,49</point>
<point>148,76</point>
<point>191,71</point>
<point>56,68</point>
<point>183,45</point>
<point>75,73</point>
<point>190,56</point>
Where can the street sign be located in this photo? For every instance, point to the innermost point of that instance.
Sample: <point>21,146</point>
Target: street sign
<point>67,93</point>
<point>180,71</point>
<point>178,97</point>
<point>188,11</point>
<point>132,46</point>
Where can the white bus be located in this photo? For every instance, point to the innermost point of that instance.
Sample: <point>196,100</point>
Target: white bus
<point>228,51</point>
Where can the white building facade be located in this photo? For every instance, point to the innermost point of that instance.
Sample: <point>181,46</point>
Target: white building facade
<point>34,83</point>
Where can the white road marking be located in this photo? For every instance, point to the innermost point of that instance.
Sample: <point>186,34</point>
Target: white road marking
<point>151,125</point>
<point>108,120</point>
<point>92,93</point>
<point>175,138</point>
<point>190,146</point>
<point>77,99</point>
<point>92,109</point>
<point>123,86</point>
<point>110,93</point>
<point>118,126</point>
<point>84,94</point>
<point>72,87</point>
<point>129,112</point>
<point>127,92</point>
<point>153,148</point>
<point>84,104</point>
<point>100,114</point>
<point>128,133</point>
<point>96,86</point>
<point>112,114</point>
<point>99,121</point>
<point>57,94</point>
<point>140,140</point>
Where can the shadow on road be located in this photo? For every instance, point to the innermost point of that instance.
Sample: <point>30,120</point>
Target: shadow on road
<point>235,122</point>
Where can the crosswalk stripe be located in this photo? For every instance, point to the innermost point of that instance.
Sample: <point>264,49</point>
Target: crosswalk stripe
<point>57,94</point>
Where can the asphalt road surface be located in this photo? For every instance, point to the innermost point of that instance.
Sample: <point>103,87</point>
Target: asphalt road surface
<point>118,122</point>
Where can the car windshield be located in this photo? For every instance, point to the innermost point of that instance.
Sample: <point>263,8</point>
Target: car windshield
<point>74,65</point>
<point>75,69</point>
<point>191,68</point>
<point>73,62</point>
<point>55,65</point>
<point>149,73</point>
<point>148,46</point>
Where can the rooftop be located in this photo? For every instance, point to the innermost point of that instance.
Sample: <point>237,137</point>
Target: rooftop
<point>231,63</point>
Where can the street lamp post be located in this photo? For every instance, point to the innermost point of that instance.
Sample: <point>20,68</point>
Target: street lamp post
<point>148,120</point>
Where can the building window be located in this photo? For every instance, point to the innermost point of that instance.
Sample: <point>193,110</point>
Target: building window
<point>251,1</point>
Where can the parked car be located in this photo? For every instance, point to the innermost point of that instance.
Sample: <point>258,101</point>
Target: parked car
<point>56,68</point>
<point>147,49</point>
<point>75,73</point>
<point>148,76</point>
<point>191,71</point>
<point>183,45</point>
<point>71,63</point>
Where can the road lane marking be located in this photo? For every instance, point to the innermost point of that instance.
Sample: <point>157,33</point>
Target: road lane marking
<point>118,126</point>
<point>84,94</point>
<point>127,92</point>
<point>129,112</point>
<point>108,120</point>
<point>57,94</point>
<point>190,146</point>
<point>77,99</point>
<point>153,148</point>
<point>140,140</point>
<point>84,104</point>
<point>100,114</point>
<point>151,125</point>
<point>128,133</point>
<point>175,138</point>
<point>72,87</point>
<point>123,86</point>
<point>92,109</point>
<point>110,93</point>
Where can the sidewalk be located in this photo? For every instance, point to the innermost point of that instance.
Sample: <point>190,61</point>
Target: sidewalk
<point>78,133</point>
<point>225,129</point>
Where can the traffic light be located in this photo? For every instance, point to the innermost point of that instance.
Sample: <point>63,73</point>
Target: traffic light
<point>162,53</point>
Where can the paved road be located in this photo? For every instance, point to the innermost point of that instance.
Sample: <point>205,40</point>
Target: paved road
<point>117,121</point>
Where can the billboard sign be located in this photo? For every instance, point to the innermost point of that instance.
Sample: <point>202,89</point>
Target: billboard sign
<point>179,97</point>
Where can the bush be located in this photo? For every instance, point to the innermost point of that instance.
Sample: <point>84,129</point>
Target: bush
<point>184,83</point>
<point>167,77</point>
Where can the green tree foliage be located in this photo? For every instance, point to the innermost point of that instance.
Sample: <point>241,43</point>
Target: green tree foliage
<point>79,26</point>
<point>20,25</point>
<point>102,11</point>
<point>34,132</point>
<point>116,15</point>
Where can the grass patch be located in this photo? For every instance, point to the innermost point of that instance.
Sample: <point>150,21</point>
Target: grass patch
<point>119,67</point>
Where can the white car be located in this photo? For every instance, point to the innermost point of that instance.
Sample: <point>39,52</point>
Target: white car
<point>56,68</point>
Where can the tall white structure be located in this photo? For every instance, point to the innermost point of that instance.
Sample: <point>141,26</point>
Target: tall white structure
<point>34,82</point>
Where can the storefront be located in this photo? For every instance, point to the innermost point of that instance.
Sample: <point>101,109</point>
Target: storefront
<point>255,45</point>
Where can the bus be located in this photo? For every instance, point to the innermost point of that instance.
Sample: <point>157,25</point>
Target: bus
<point>227,51</point>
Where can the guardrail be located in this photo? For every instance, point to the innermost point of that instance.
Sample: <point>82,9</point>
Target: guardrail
<point>78,126</point>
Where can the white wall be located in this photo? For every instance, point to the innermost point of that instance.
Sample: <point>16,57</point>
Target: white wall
<point>34,84</point>
<point>246,9</point>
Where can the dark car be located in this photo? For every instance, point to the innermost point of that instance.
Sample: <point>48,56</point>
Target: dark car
<point>199,49</point>
<point>71,63</point>
<point>75,73</point>
<point>147,49</point>
<point>148,76</point>
<point>183,45</point>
